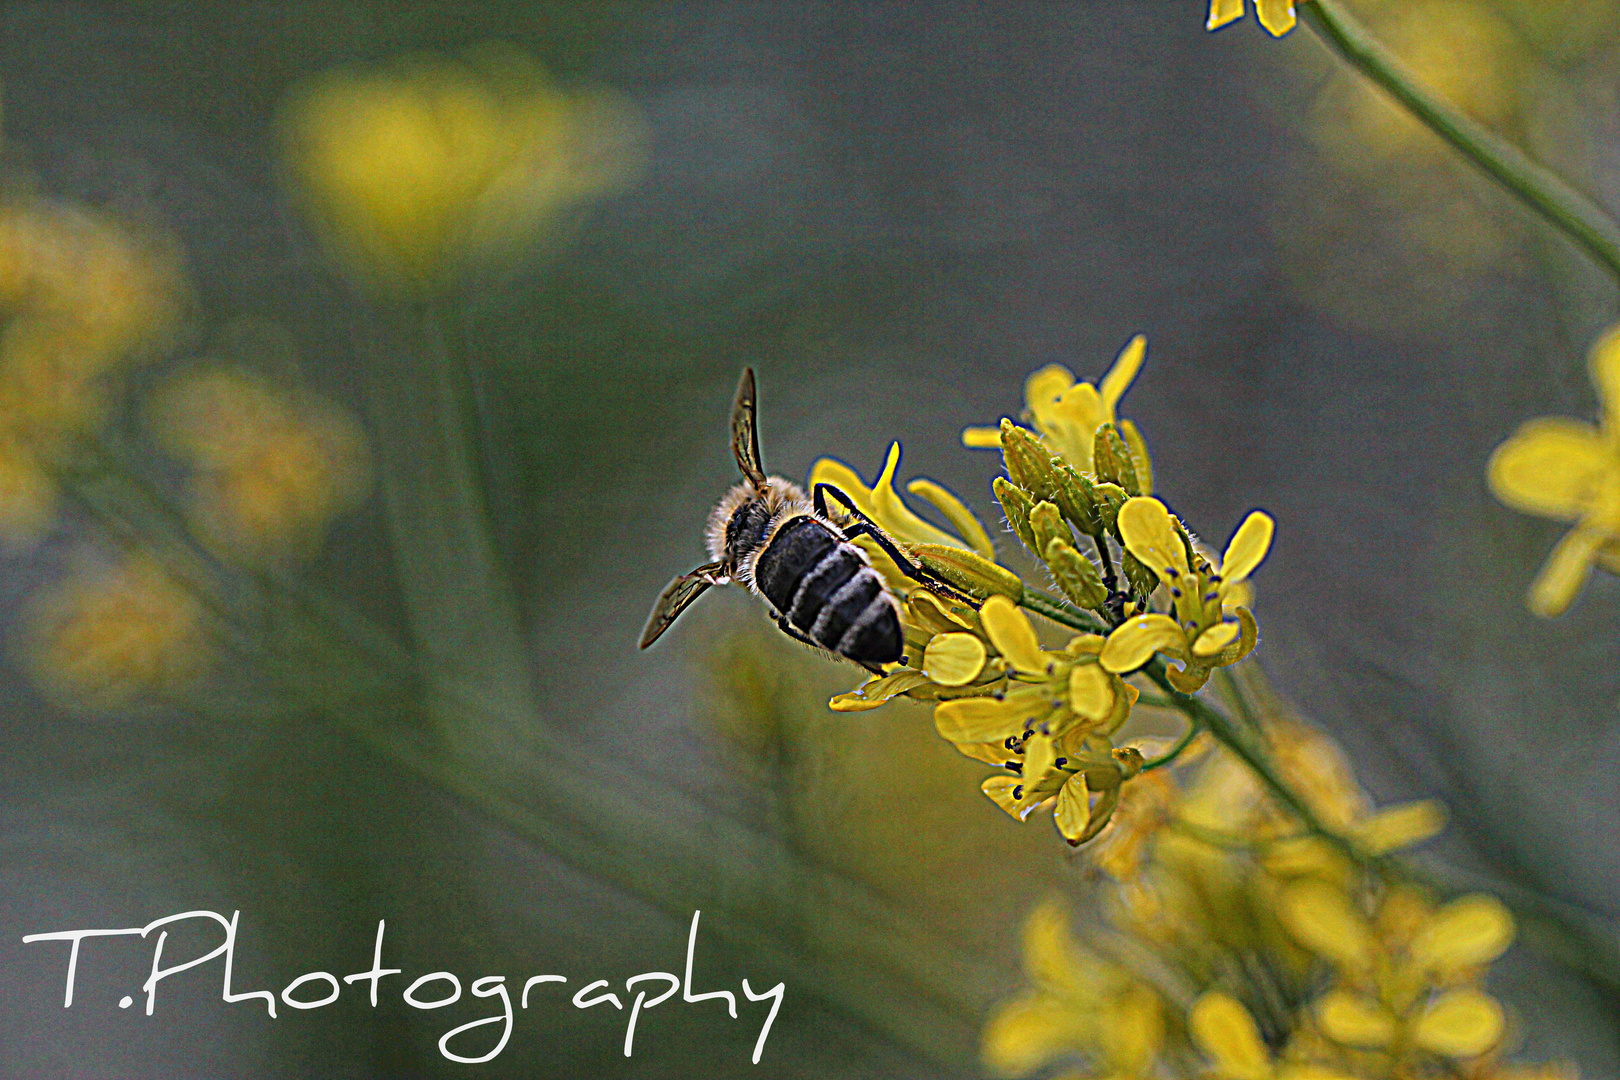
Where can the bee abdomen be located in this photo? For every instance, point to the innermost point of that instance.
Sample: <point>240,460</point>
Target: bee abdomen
<point>826,588</point>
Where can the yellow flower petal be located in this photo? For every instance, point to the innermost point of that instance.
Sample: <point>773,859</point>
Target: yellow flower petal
<point>1565,571</point>
<point>982,438</point>
<point>1355,1020</point>
<point>1050,957</point>
<point>1043,388</point>
<point>1322,918</point>
<point>1248,547</point>
<point>1277,16</point>
<point>1222,12</point>
<point>1463,1023</point>
<point>953,659</point>
<point>1397,827</point>
<point>1146,528</point>
<point>1216,638</point>
<point>1136,639</point>
<point>875,692</point>
<point>1073,809</point>
<point>1605,369</point>
<point>1028,1032</point>
<point>1012,635</point>
<point>1467,932</point>
<point>1121,375</point>
<point>1550,467</point>
<point>986,719</point>
<point>1311,1072</point>
<point>1226,1032</point>
<point>1001,790</point>
<point>1091,691</point>
<point>960,517</point>
<point>895,516</point>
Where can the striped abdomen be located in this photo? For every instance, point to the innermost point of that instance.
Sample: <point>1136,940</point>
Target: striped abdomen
<point>826,588</point>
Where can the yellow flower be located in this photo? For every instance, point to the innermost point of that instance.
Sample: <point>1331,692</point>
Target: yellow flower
<point>273,471</point>
<point>1404,975</point>
<point>1205,632</point>
<point>1277,16</point>
<point>27,497</point>
<point>1068,413</point>
<point>105,635</point>
<point>418,173</point>
<point>1229,1037</point>
<point>1570,471</point>
<point>1079,1005</point>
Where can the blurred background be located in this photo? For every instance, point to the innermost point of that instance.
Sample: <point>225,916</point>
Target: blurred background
<point>894,213</point>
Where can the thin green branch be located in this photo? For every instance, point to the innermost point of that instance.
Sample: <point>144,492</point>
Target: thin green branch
<point>1194,729</point>
<point>1062,612</point>
<point>1543,191</point>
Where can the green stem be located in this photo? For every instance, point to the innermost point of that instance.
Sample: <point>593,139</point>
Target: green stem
<point>1194,729</point>
<point>1251,754</point>
<point>1062,612</point>
<point>1543,191</point>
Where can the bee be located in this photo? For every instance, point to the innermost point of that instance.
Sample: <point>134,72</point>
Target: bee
<point>786,548</point>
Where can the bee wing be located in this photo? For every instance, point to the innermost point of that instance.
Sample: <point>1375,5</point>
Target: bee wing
<point>676,598</point>
<point>744,436</point>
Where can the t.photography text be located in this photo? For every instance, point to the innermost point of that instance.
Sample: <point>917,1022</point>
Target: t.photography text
<point>434,990</point>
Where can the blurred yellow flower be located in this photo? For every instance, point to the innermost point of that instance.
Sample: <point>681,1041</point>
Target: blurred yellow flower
<point>27,497</point>
<point>1067,413</point>
<point>273,469</point>
<point>417,173</point>
<point>1277,16</point>
<point>1228,1035</point>
<point>82,295</point>
<point>1569,470</point>
<point>1080,1005</point>
<point>104,635</point>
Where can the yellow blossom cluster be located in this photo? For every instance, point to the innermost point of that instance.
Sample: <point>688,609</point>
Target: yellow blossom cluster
<point>1236,947</point>
<point>1078,494</point>
<point>109,632</point>
<point>422,171</point>
<point>272,466</point>
<point>82,296</point>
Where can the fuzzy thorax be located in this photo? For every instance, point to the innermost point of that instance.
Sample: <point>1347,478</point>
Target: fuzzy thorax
<point>780,499</point>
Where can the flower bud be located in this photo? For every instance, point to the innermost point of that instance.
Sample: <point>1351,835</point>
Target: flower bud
<point>1075,574</point>
<point>969,571</point>
<point>1016,504</point>
<point>1111,460</point>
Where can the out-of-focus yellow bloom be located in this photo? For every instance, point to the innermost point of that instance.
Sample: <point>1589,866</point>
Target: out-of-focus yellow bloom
<point>82,295</point>
<point>1204,633</point>
<point>273,470</point>
<point>1277,16</point>
<point>420,172</point>
<point>1080,1005</point>
<point>92,291</point>
<point>1068,413</point>
<point>1569,470</point>
<point>1405,976</point>
<point>1228,1035</point>
<point>102,636</point>
<point>27,497</point>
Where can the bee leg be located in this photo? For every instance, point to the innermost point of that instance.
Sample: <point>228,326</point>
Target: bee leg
<point>865,526</point>
<point>794,632</point>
